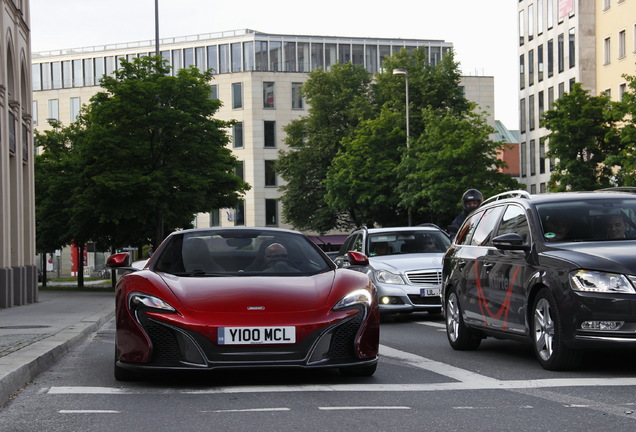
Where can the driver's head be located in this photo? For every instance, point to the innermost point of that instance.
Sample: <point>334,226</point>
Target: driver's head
<point>275,252</point>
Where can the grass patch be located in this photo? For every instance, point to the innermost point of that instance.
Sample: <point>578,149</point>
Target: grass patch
<point>87,288</point>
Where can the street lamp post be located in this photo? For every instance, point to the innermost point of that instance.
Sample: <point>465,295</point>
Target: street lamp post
<point>408,144</point>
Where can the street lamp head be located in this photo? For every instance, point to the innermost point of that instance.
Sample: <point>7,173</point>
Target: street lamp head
<point>400,72</point>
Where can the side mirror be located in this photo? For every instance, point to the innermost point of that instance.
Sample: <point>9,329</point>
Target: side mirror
<point>357,259</point>
<point>511,241</point>
<point>118,260</point>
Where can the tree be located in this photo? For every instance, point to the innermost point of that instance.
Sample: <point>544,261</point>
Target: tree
<point>152,154</point>
<point>454,153</point>
<point>339,99</point>
<point>624,161</point>
<point>582,136</point>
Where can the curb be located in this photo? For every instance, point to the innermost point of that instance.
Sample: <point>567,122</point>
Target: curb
<point>27,363</point>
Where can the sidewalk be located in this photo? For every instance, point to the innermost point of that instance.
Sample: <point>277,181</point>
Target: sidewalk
<point>35,336</point>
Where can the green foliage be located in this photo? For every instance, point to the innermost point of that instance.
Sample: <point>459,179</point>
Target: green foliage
<point>583,135</point>
<point>339,100</point>
<point>623,161</point>
<point>453,154</point>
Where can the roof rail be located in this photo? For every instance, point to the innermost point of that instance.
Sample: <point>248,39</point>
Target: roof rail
<point>509,194</point>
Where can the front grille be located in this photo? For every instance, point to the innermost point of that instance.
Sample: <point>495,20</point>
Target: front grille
<point>165,348</point>
<point>343,339</point>
<point>425,277</point>
<point>418,300</point>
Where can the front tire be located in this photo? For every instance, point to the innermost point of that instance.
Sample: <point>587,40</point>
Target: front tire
<point>547,335</point>
<point>459,335</point>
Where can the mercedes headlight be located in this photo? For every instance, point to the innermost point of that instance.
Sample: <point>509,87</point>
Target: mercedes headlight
<point>385,276</point>
<point>595,281</point>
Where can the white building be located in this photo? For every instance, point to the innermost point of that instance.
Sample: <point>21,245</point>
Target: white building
<point>18,279</point>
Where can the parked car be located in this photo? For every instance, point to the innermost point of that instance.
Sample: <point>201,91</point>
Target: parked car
<point>404,263</point>
<point>555,270</point>
<point>243,298</point>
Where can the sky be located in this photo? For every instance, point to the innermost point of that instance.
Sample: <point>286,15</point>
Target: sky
<point>483,32</point>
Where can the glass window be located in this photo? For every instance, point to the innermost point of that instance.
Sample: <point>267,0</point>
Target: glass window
<point>248,56</point>
<point>34,112</point>
<point>466,234</point>
<point>532,156</point>
<point>542,155</point>
<point>289,49</point>
<point>67,74</point>
<point>514,221</point>
<point>188,57</point>
<point>261,56</point>
<point>268,95</point>
<point>434,56</point>
<point>271,212</point>
<point>541,105</point>
<point>110,65</point>
<point>522,27</point>
<point>56,67</point>
<point>54,109</point>
<point>75,108</point>
<point>303,57</point>
<point>571,48</point>
<point>344,53</point>
<point>622,48</point>
<point>275,56</point>
<point>523,158</point>
<point>530,22</point>
<point>560,53</point>
<point>550,97</point>
<point>177,61</point>
<point>550,13</point>
<point>539,16</point>
<point>237,135</point>
<point>199,58</point>
<point>522,72</point>
<point>270,174</point>
<point>78,73</point>
<point>540,63</point>
<point>214,92</point>
<point>89,73</point>
<point>531,118</point>
<point>385,51</point>
<point>270,134</point>
<point>550,57</point>
<point>47,79</point>
<point>213,59</point>
<point>482,234</point>
<point>371,58</point>
<point>317,56</point>
<point>100,69</point>
<point>239,170</point>
<point>297,100</point>
<point>36,77</point>
<point>357,57</point>
<point>331,55</point>
<point>237,95</point>
<point>530,67</point>
<point>239,214</point>
<point>224,58</point>
<point>215,218</point>
<point>522,115</point>
<point>237,60</point>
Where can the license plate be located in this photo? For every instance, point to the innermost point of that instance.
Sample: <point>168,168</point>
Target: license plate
<point>429,292</point>
<point>256,335</point>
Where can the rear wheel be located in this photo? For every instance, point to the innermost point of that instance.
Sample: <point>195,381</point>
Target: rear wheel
<point>547,335</point>
<point>359,371</point>
<point>459,335</point>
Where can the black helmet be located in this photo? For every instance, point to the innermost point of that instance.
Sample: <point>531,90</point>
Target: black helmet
<point>471,195</point>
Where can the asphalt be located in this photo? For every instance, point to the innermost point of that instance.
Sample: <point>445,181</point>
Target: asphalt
<point>35,336</point>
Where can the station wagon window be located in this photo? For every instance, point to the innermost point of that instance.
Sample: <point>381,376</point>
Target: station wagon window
<point>514,221</point>
<point>466,234</point>
<point>483,232</point>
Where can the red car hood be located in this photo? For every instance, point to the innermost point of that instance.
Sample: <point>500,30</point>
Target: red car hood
<point>237,294</point>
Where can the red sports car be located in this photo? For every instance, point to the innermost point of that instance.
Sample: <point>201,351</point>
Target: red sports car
<point>243,297</point>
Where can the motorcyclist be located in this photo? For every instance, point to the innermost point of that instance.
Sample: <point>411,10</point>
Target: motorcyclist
<point>471,199</point>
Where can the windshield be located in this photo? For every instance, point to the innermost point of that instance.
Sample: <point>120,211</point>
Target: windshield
<point>407,242</point>
<point>240,253</point>
<point>588,220</point>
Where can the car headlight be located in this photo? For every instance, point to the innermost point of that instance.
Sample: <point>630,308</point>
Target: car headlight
<point>357,297</point>
<point>137,300</point>
<point>388,277</point>
<point>595,281</point>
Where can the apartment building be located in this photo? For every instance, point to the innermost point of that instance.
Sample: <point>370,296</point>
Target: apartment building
<point>592,42</point>
<point>18,277</point>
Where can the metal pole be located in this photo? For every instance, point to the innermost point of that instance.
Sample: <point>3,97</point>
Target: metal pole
<point>157,52</point>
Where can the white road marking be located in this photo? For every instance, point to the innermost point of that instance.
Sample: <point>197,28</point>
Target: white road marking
<point>432,324</point>
<point>356,408</point>
<point>88,412</point>
<point>247,410</point>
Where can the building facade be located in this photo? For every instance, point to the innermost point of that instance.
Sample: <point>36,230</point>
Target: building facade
<point>257,77</point>
<point>561,42</point>
<point>18,277</point>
